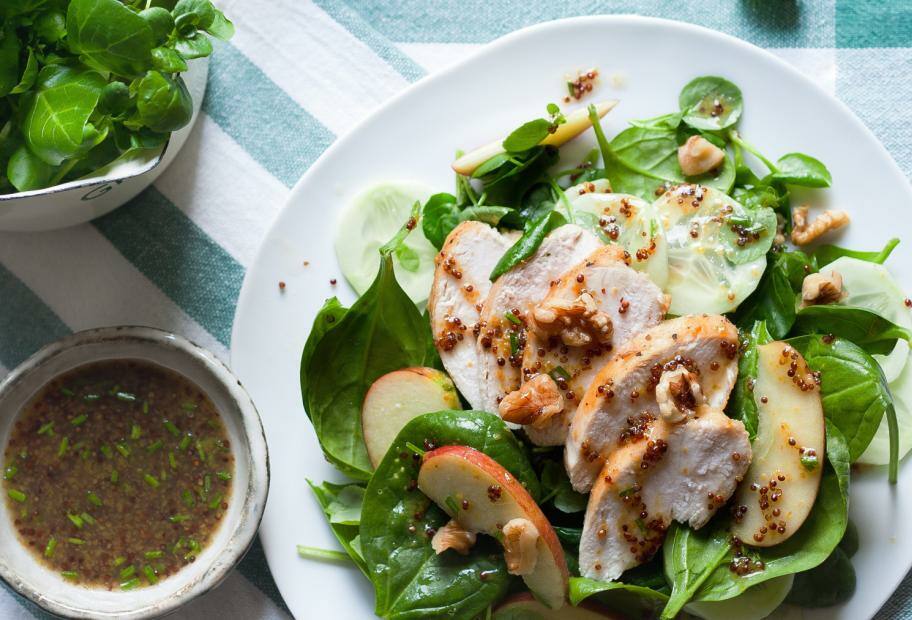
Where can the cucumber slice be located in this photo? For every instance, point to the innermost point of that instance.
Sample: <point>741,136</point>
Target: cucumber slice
<point>371,220</point>
<point>755,603</point>
<point>628,221</point>
<point>871,286</point>
<point>709,271</point>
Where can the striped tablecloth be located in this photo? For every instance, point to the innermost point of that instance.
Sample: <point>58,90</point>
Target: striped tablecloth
<point>299,73</point>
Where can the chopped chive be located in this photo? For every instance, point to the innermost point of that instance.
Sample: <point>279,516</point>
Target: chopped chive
<point>76,520</point>
<point>153,555</point>
<point>215,502</point>
<point>76,541</point>
<point>125,396</point>
<point>155,446</point>
<point>224,475</point>
<point>123,449</point>
<point>88,518</point>
<point>185,442</point>
<point>188,406</point>
<point>16,495</point>
<point>119,560</point>
<point>145,406</point>
<point>23,453</point>
<point>10,472</point>
<point>150,574</point>
<point>46,429</point>
<point>114,476</point>
<point>451,504</point>
<point>514,343</point>
<point>67,392</point>
<point>414,448</point>
<point>91,397</point>
<point>135,432</point>
<point>129,584</point>
<point>80,419</point>
<point>558,372</point>
<point>178,518</point>
<point>200,451</point>
<point>106,451</point>
<point>49,547</point>
<point>512,317</point>
<point>93,498</point>
<point>207,484</point>
<point>127,572</point>
<point>70,574</point>
<point>172,461</point>
<point>172,428</point>
<point>187,498</point>
<point>194,549</point>
<point>64,445</point>
<point>151,480</point>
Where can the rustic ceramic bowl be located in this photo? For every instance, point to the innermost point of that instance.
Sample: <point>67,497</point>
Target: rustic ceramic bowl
<point>24,573</point>
<point>82,200</point>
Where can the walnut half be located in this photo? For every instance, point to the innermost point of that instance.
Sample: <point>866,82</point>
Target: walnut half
<point>578,322</point>
<point>520,539</point>
<point>453,536</point>
<point>805,231</point>
<point>821,288</point>
<point>536,401</point>
<point>678,395</point>
<point>698,156</point>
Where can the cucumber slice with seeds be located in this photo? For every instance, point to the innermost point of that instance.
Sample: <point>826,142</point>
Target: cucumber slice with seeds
<point>371,220</point>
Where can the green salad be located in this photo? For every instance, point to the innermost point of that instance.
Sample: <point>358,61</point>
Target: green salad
<point>630,383</point>
<point>88,84</point>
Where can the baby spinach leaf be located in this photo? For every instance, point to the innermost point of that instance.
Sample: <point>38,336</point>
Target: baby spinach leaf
<point>528,243</point>
<point>632,600</point>
<point>690,557</point>
<point>29,75</point>
<point>749,234</point>
<point>26,172</point>
<point>711,103</point>
<point>853,390</point>
<point>56,116</point>
<point>776,297</point>
<point>9,59</point>
<point>826,254</point>
<point>487,214</point>
<point>167,60</point>
<point>801,169</point>
<point>808,547</point>
<point>196,45</point>
<point>439,217</point>
<point>382,331</point>
<point>556,487</point>
<point>867,329</point>
<point>829,584</point>
<point>508,184</point>
<point>51,26</point>
<point>115,99</point>
<point>163,102</point>
<point>160,21</point>
<point>491,165</point>
<point>568,535</point>
<point>109,36</point>
<point>327,318</point>
<point>527,136</point>
<point>742,405</point>
<point>342,506</point>
<point>397,523</point>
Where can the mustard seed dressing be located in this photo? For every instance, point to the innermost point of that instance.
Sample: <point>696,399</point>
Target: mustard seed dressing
<point>118,473</point>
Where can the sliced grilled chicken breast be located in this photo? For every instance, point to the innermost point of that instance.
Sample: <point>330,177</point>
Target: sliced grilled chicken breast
<point>672,472</point>
<point>705,345</point>
<point>505,312</point>
<point>593,308</point>
<point>461,284</point>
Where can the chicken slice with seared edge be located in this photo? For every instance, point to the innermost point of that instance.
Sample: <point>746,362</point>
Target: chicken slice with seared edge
<point>593,308</point>
<point>504,315</point>
<point>706,346</point>
<point>461,284</point>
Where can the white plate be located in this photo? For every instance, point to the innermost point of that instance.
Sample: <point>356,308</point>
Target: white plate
<point>414,136</point>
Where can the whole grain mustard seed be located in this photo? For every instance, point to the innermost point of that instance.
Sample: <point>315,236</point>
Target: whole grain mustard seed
<point>141,470</point>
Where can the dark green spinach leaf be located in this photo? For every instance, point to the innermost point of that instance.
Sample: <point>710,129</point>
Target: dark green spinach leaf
<point>801,169</point>
<point>397,523</point>
<point>556,488</point>
<point>776,298</point>
<point>163,102</point>
<point>627,598</point>
<point>342,506</point>
<point>711,103</point>
<point>829,584</point>
<point>527,245</point>
<point>869,330</point>
<point>742,405</point>
<point>826,254</point>
<point>108,36</point>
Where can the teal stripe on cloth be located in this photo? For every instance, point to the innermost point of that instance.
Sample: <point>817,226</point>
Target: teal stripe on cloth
<point>353,21</point>
<point>874,23</point>
<point>261,117</point>
<point>26,323</point>
<point>770,23</point>
<point>255,568</point>
<point>176,255</point>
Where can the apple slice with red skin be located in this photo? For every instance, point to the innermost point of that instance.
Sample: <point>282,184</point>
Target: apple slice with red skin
<point>524,605</point>
<point>397,397</point>
<point>482,497</point>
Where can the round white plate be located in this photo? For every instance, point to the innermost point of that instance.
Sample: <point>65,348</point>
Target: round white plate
<point>414,136</point>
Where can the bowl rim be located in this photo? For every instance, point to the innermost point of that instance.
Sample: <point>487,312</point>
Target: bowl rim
<point>252,499</point>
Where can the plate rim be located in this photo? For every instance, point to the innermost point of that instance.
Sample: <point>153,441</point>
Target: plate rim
<point>246,298</point>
